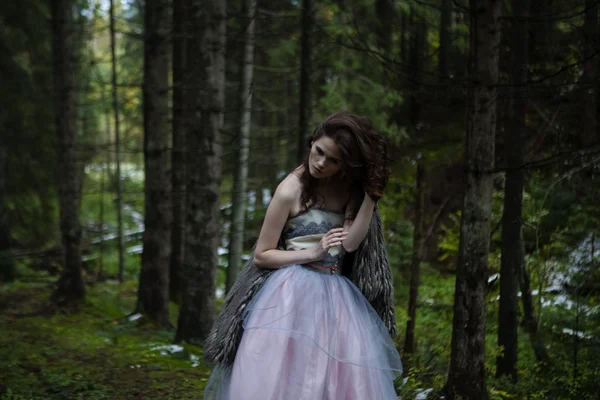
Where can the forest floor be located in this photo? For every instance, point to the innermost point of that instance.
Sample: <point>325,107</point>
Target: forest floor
<point>97,353</point>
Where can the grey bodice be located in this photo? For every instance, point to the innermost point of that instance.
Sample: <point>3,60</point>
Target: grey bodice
<point>306,230</point>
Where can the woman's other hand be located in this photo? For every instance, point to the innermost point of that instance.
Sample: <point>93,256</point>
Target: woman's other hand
<point>333,238</point>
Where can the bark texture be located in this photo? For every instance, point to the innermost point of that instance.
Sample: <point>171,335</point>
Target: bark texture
<point>70,291</point>
<point>115,101</point>
<point>181,118</point>
<point>240,177</point>
<point>415,270</point>
<point>6,260</point>
<point>514,155</point>
<point>466,377</point>
<point>153,293</point>
<point>207,45</point>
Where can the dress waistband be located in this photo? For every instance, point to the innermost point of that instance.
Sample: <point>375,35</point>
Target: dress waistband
<point>325,269</point>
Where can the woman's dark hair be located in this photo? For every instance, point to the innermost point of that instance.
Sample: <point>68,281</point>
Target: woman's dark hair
<point>365,163</point>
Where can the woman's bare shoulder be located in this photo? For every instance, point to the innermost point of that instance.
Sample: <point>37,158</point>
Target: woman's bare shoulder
<point>290,187</point>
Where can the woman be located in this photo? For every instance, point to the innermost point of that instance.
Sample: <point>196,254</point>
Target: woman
<point>309,332</point>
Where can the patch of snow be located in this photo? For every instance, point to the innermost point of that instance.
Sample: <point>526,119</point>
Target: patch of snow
<point>493,277</point>
<point>251,204</point>
<point>135,317</point>
<point>266,197</point>
<point>138,249</point>
<point>111,236</point>
<point>195,360</point>
<point>422,394</point>
<point>560,299</point>
<point>572,332</point>
<point>168,349</point>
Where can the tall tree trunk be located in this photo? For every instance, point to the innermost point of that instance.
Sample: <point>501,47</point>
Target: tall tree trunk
<point>530,320</point>
<point>181,117</point>
<point>153,293</point>
<point>70,290</point>
<point>514,155</point>
<point>305,107</point>
<point>6,114</point>
<point>240,177</point>
<point>445,40</point>
<point>415,270</point>
<point>202,234</point>
<point>115,95</point>
<point>414,115</point>
<point>590,134</point>
<point>6,260</point>
<point>466,377</point>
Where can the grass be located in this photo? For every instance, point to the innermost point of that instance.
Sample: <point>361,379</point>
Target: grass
<point>100,352</point>
<point>97,353</point>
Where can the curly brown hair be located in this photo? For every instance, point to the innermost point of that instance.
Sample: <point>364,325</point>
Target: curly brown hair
<point>365,162</point>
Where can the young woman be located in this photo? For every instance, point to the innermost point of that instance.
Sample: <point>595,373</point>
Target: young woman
<point>309,332</point>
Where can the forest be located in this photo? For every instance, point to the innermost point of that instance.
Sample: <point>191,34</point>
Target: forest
<point>141,143</point>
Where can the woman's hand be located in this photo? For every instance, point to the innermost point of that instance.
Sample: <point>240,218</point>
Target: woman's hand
<point>333,238</point>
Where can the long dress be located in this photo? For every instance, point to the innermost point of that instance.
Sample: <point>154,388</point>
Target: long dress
<point>309,333</point>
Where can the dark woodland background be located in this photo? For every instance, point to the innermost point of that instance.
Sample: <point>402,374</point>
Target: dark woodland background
<point>141,143</point>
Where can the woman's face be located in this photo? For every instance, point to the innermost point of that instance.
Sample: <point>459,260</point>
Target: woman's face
<point>325,159</point>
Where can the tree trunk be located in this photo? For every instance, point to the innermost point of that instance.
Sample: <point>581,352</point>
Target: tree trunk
<point>445,40</point>
<point>70,290</point>
<point>153,293</point>
<point>115,94</point>
<point>6,260</point>
<point>207,42</point>
<point>181,117</point>
<point>305,107</point>
<point>466,377</point>
<point>514,155</point>
<point>8,132</point>
<point>589,73</point>
<point>414,115</point>
<point>529,317</point>
<point>409,340</point>
<point>240,177</point>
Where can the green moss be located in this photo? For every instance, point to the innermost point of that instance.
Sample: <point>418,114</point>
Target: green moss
<point>97,353</point>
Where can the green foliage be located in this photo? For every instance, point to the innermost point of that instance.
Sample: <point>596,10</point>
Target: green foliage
<point>450,239</point>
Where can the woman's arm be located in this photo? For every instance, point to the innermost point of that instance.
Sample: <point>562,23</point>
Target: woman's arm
<point>266,254</point>
<point>357,229</point>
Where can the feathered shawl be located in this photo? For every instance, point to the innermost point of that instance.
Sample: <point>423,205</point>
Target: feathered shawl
<point>367,267</point>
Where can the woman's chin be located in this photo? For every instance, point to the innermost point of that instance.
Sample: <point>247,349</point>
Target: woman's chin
<point>314,173</point>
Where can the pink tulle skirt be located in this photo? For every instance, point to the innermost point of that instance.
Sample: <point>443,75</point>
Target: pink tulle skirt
<point>309,335</point>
